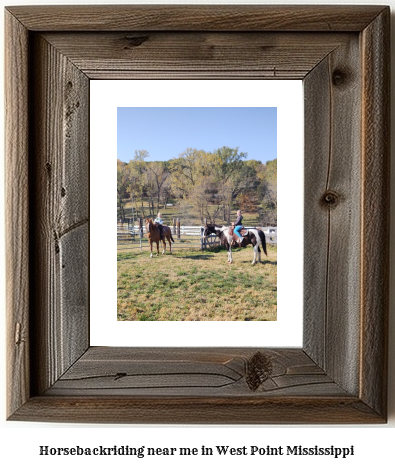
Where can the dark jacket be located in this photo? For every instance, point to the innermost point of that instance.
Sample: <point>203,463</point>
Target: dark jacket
<point>239,221</point>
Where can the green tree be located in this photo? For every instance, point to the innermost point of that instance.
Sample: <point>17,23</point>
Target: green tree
<point>122,187</point>
<point>229,172</point>
<point>226,162</point>
<point>267,193</point>
<point>185,171</point>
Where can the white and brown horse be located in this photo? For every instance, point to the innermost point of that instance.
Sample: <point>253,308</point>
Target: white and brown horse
<point>153,233</point>
<point>254,237</point>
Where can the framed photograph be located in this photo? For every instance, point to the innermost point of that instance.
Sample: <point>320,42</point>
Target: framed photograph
<point>185,205</point>
<point>260,122</point>
<point>54,54</point>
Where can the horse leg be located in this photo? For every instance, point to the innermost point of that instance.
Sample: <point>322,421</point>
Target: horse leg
<point>164,245</point>
<point>227,250</point>
<point>150,245</point>
<point>259,255</point>
<point>170,245</point>
<point>255,254</point>
<point>259,244</point>
<point>230,259</point>
<point>157,248</point>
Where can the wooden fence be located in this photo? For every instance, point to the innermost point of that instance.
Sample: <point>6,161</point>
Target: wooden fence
<point>131,236</point>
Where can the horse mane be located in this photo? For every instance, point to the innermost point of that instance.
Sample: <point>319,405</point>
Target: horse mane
<point>151,224</point>
<point>224,227</point>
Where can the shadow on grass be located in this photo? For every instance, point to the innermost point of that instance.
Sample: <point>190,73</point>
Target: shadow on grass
<point>273,263</point>
<point>180,255</point>
<point>197,256</point>
<point>123,256</point>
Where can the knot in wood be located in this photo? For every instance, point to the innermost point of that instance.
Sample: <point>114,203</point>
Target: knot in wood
<point>330,199</point>
<point>18,335</point>
<point>120,375</point>
<point>135,41</point>
<point>339,77</point>
<point>259,369</point>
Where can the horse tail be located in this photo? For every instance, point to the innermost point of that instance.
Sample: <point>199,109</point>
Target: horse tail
<point>169,232</point>
<point>263,240</point>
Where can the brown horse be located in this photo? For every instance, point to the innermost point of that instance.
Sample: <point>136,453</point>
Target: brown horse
<point>154,236</point>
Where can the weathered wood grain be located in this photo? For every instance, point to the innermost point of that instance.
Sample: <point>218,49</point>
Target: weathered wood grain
<point>375,211</point>
<point>317,113</point>
<point>332,208</point>
<point>17,192</point>
<point>60,203</point>
<point>344,179</point>
<point>198,410</point>
<point>74,293</point>
<point>196,17</point>
<point>193,372</point>
<point>339,376</point>
<point>189,55</point>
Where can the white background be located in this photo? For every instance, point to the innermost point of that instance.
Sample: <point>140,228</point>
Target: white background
<point>19,441</point>
<point>287,97</point>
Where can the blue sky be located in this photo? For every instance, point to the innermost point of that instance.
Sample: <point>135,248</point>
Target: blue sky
<point>167,132</point>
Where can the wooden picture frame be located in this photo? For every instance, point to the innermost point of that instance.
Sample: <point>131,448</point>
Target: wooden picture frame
<point>340,374</point>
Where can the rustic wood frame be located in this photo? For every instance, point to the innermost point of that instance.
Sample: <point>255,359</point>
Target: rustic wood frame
<point>340,374</point>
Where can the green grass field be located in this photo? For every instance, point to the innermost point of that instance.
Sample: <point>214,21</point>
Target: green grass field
<point>197,286</point>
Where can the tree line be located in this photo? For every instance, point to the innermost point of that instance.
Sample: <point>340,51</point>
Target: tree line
<point>212,183</point>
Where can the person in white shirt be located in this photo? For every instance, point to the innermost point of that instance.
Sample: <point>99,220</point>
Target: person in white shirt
<point>159,222</point>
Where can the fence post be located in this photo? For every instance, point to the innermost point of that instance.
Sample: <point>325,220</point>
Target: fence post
<point>130,231</point>
<point>178,228</point>
<point>202,242</point>
<point>174,226</point>
<point>141,227</point>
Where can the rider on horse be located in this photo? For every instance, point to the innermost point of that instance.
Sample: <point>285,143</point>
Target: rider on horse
<point>159,222</point>
<point>238,225</point>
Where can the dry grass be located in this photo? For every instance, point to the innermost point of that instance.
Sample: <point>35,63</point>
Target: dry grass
<point>250,218</point>
<point>197,286</point>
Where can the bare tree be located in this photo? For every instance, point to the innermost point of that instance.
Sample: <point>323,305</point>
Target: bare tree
<point>158,176</point>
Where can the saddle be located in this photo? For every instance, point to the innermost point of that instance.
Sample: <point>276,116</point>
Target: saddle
<point>162,230</point>
<point>235,238</point>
